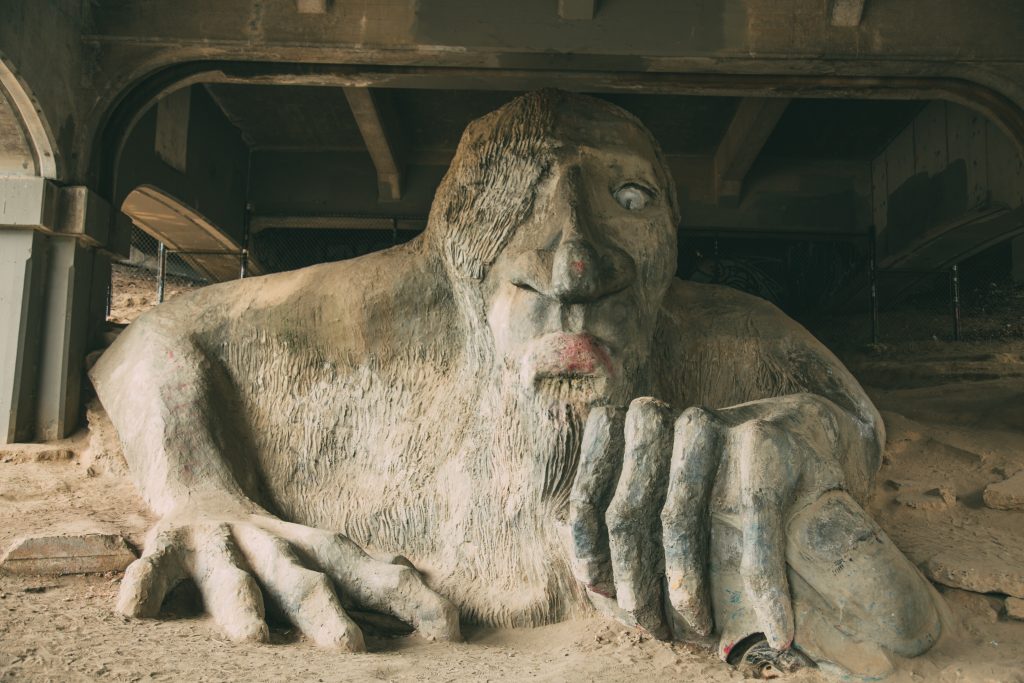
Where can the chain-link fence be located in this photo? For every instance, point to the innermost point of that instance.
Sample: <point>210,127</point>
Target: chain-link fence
<point>917,305</point>
<point>964,303</point>
<point>834,291</point>
<point>148,276</point>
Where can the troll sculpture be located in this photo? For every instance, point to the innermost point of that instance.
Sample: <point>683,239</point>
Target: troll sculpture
<point>517,418</point>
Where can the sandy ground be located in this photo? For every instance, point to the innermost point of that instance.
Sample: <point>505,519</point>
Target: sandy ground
<point>955,415</point>
<point>135,291</point>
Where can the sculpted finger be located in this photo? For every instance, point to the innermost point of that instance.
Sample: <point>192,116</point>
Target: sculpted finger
<point>766,481</point>
<point>393,589</point>
<point>596,477</point>
<point>306,596</point>
<point>685,519</point>
<point>230,594</point>
<point>400,591</point>
<point>633,514</point>
<point>148,579</point>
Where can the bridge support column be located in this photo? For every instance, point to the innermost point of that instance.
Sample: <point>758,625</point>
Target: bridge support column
<point>22,279</point>
<point>48,236</point>
<point>65,328</point>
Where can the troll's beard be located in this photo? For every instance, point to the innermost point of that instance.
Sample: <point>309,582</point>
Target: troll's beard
<point>510,562</point>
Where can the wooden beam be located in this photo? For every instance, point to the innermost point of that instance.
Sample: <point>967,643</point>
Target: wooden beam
<point>576,9</point>
<point>379,143</point>
<point>847,13</point>
<point>753,123</point>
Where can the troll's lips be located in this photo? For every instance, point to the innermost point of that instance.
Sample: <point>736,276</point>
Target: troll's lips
<point>562,354</point>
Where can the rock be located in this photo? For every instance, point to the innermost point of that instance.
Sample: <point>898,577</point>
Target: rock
<point>34,452</point>
<point>1007,494</point>
<point>985,607</point>
<point>67,554</point>
<point>979,573</point>
<point>1015,608</point>
<point>922,496</point>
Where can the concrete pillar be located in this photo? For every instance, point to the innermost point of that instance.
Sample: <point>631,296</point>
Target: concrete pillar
<point>1017,254</point>
<point>64,336</point>
<point>48,236</point>
<point>22,279</point>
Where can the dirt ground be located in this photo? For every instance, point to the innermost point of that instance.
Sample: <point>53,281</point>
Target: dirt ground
<point>955,415</point>
<point>135,291</point>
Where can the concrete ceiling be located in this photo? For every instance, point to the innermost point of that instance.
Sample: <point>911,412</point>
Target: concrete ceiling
<point>431,121</point>
<point>275,117</point>
<point>839,129</point>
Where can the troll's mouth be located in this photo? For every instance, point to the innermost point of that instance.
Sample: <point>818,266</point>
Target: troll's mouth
<point>565,355</point>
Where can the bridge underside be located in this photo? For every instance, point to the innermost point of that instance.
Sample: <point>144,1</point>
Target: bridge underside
<point>294,132</point>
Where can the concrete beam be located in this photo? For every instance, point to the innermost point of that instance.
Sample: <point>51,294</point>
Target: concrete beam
<point>753,123</point>
<point>847,13</point>
<point>380,142</point>
<point>29,202</point>
<point>84,215</point>
<point>311,6</point>
<point>335,222</point>
<point>576,9</point>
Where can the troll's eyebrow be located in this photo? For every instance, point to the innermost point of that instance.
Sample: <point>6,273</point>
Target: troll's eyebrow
<point>623,157</point>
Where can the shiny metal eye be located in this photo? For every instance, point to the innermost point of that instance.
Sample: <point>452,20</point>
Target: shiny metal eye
<point>632,197</point>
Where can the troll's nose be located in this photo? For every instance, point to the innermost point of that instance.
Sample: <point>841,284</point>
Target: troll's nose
<point>582,264</point>
<point>584,269</point>
<point>576,272</point>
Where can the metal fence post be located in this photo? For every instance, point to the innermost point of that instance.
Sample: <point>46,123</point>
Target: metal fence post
<point>873,275</point>
<point>956,302</point>
<point>161,262</point>
<point>243,256</point>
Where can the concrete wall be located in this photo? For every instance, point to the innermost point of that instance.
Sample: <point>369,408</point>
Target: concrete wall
<point>780,196</point>
<point>42,40</point>
<point>215,162</point>
<point>621,27</point>
<point>951,181</point>
<point>16,156</point>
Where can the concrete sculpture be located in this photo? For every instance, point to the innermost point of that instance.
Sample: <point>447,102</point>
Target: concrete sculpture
<point>516,418</point>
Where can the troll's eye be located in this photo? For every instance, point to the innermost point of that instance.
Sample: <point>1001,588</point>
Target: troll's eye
<point>633,197</point>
